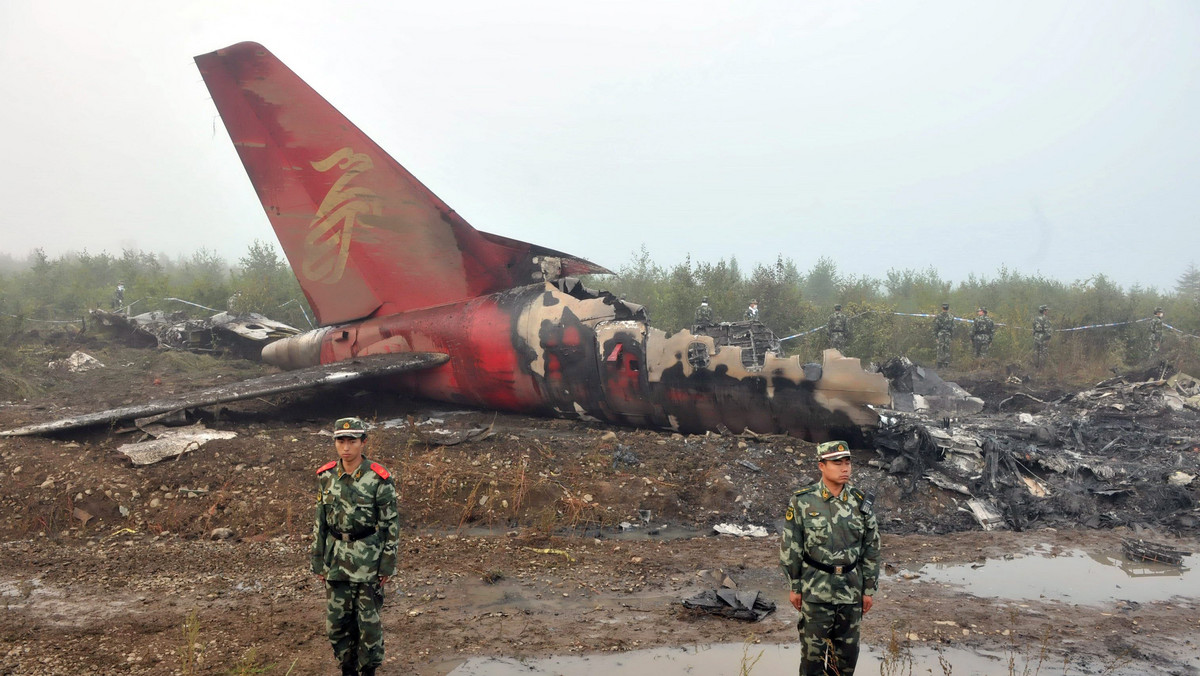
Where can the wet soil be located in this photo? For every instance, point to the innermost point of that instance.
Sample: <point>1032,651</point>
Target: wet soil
<point>513,545</point>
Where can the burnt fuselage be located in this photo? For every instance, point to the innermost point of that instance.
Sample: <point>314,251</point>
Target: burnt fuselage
<point>557,348</point>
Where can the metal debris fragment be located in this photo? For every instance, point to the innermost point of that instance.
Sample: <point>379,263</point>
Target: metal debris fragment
<point>741,531</point>
<point>1140,550</point>
<point>172,442</point>
<point>748,606</point>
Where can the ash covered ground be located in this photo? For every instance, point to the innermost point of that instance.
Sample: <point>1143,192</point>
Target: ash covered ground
<point>528,537</point>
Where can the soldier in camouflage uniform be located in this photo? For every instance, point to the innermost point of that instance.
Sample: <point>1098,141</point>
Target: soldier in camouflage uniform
<point>981,332</point>
<point>704,315</point>
<point>752,311</point>
<point>1156,333</point>
<point>830,552</point>
<point>355,538</point>
<point>1041,336</point>
<point>943,330</point>
<point>839,329</point>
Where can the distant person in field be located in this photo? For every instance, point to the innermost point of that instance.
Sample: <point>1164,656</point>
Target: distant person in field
<point>943,331</point>
<point>981,332</point>
<point>1156,333</point>
<point>839,329</point>
<point>752,311</point>
<point>1042,330</point>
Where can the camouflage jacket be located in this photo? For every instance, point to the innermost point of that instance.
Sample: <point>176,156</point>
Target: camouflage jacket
<point>362,506</point>
<point>832,530</point>
<point>751,313</point>
<point>943,323</point>
<point>704,315</point>
<point>838,324</point>
<point>983,326</point>
<point>1041,328</point>
<point>1156,326</point>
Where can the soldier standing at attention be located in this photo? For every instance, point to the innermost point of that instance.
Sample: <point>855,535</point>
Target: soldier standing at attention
<point>943,330</point>
<point>839,329</point>
<point>704,315</point>
<point>752,311</point>
<point>118,302</point>
<point>355,537</point>
<point>981,332</point>
<point>1041,336</point>
<point>1156,333</point>
<point>830,552</point>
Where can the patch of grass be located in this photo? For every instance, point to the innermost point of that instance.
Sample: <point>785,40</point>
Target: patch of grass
<point>747,662</point>
<point>189,652</point>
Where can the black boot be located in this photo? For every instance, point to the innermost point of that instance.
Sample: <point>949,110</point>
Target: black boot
<point>367,671</point>
<point>349,669</point>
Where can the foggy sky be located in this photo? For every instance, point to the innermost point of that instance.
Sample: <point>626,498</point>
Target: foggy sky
<point>1058,138</point>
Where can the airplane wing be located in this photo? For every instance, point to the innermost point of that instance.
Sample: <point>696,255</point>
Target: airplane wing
<point>277,383</point>
<point>362,234</point>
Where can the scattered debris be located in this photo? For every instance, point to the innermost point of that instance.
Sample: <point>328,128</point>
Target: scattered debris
<point>172,442</point>
<point>561,552</point>
<point>986,514</point>
<point>1181,479</point>
<point>1140,550</point>
<point>76,363</point>
<point>749,465</point>
<point>625,456</point>
<point>748,606</point>
<point>221,534</point>
<point>243,334</point>
<point>1081,458</point>
<point>446,437</point>
<point>716,577</point>
<point>740,531</point>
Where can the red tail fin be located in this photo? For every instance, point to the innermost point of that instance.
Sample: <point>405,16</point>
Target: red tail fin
<point>362,234</point>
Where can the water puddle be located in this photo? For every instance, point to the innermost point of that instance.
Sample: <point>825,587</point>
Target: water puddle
<point>756,659</point>
<point>1078,577</point>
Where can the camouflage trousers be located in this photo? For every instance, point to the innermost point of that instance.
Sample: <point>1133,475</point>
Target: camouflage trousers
<point>1155,344</point>
<point>1040,348</point>
<point>982,345</point>
<point>829,638</point>
<point>943,350</point>
<point>352,623</point>
<point>837,340</point>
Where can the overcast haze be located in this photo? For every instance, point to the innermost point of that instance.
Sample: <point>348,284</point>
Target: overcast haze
<point>1051,137</point>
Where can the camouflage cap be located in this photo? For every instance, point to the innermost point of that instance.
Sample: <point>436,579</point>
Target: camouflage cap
<point>945,306</point>
<point>1043,308</point>
<point>753,302</point>
<point>1157,310</point>
<point>349,427</point>
<point>837,307</point>
<point>704,299</point>
<point>983,309</point>
<point>832,450</point>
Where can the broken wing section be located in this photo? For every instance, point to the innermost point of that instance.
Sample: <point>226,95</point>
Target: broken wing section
<point>362,234</point>
<point>277,383</point>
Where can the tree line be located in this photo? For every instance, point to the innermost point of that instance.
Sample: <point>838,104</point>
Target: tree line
<point>791,301</point>
<point>64,288</point>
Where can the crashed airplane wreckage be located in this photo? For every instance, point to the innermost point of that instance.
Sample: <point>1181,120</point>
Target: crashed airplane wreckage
<point>1125,452</point>
<point>243,334</point>
<point>394,274</point>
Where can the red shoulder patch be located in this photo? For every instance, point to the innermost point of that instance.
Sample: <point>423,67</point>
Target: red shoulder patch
<point>379,469</point>
<point>327,466</point>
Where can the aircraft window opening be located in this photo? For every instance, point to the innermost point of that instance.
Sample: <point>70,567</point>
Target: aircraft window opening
<point>698,355</point>
<point>633,365</point>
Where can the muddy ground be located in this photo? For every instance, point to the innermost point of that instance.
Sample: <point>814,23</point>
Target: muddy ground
<point>512,544</point>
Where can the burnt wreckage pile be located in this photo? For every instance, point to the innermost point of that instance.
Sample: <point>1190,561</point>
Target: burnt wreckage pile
<point>1125,452</point>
